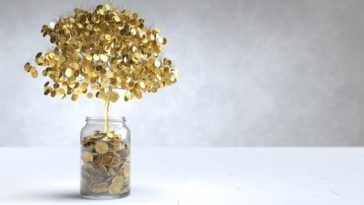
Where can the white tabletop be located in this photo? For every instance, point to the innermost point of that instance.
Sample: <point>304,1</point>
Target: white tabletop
<point>187,176</point>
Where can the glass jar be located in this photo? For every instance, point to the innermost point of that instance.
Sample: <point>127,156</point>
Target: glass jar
<point>105,159</point>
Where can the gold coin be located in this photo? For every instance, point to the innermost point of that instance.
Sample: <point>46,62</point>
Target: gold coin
<point>107,160</point>
<point>101,170</point>
<point>87,169</point>
<point>96,57</point>
<point>114,96</point>
<point>136,57</point>
<point>100,188</point>
<point>116,18</point>
<point>97,160</point>
<point>47,91</point>
<point>68,72</point>
<point>114,189</point>
<point>126,169</point>
<point>124,153</point>
<point>166,61</point>
<point>103,57</point>
<point>107,37</point>
<point>88,57</point>
<point>157,63</point>
<point>27,67</point>
<point>86,140</point>
<point>89,95</point>
<point>164,41</point>
<point>112,172</point>
<point>34,73</point>
<point>74,97</point>
<point>89,27</point>
<point>101,147</point>
<point>97,134</point>
<point>118,180</point>
<point>87,156</point>
<point>38,55</point>
<point>73,65</point>
<point>60,91</point>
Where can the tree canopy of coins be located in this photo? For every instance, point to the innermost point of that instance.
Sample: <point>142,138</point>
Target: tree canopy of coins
<point>101,52</point>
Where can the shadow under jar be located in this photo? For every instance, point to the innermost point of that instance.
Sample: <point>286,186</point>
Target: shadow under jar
<point>105,159</point>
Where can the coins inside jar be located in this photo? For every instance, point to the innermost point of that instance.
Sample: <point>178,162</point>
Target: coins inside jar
<point>105,164</point>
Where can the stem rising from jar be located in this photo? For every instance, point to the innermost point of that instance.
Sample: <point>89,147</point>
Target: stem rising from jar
<point>106,112</point>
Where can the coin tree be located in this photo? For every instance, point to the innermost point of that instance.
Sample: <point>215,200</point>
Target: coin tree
<point>100,53</point>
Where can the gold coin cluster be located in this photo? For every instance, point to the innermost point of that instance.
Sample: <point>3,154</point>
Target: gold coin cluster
<point>105,164</point>
<point>101,51</point>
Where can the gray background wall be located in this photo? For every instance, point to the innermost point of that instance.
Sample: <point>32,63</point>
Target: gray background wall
<point>254,73</point>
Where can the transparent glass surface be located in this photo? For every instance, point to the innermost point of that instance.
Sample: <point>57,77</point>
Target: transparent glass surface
<point>105,159</point>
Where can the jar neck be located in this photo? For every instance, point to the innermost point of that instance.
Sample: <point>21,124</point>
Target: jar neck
<point>112,120</point>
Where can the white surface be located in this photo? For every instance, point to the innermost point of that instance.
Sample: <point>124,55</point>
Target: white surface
<point>187,176</point>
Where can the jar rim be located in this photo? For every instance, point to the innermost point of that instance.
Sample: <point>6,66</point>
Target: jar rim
<point>102,119</point>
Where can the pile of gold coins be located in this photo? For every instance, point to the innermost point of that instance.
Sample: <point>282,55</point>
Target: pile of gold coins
<point>105,164</point>
<point>98,52</point>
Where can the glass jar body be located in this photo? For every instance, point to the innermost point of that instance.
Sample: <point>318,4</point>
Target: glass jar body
<point>105,159</point>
